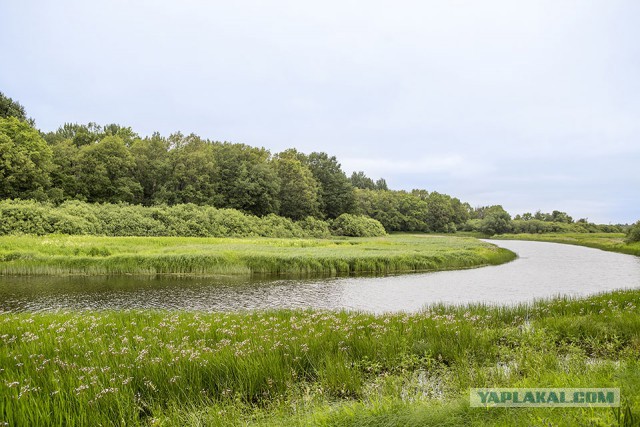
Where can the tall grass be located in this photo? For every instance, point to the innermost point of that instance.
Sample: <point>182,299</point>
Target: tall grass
<point>314,367</point>
<point>62,255</point>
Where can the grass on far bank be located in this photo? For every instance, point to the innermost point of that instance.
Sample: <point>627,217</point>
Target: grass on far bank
<point>613,242</point>
<point>62,255</point>
<point>284,367</point>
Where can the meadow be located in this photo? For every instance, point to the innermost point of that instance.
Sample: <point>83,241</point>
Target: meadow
<point>95,255</point>
<point>613,242</point>
<point>168,368</point>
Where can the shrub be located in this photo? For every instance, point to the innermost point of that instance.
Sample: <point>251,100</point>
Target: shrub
<point>314,227</point>
<point>357,226</point>
<point>25,217</point>
<point>189,220</point>
<point>633,235</point>
<point>278,226</point>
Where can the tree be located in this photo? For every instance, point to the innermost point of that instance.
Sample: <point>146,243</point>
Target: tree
<point>106,172</point>
<point>152,165</point>
<point>194,176</point>
<point>65,165</point>
<point>496,221</point>
<point>25,160</point>
<point>440,213</point>
<point>299,191</point>
<point>79,134</point>
<point>336,192</point>
<point>461,211</point>
<point>396,210</point>
<point>247,180</point>
<point>360,180</point>
<point>11,108</point>
<point>557,216</point>
<point>125,133</point>
<point>381,184</point>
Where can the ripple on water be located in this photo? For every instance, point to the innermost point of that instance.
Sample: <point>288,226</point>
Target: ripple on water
<point>542,270</point>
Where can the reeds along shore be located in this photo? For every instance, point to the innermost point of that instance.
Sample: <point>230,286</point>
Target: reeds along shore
<point>314,367</point>
<point>89,255</point>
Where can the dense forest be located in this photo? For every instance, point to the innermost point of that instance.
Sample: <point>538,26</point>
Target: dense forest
<point>112,164</point>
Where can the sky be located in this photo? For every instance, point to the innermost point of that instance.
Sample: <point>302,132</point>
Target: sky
<point>534,105</point>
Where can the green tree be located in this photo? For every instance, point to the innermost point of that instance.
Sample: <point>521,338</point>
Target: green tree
<point>106,172</point>
<point>395,210</point>
<point>440,213</point>
<point>79,134</point>
<point>381,184</point>
<point>360,180</point>
<point>299,190</point>
<point>11,108</point>
<point>496,221</point>
<point>64,170</point>
<point>336,192</point>
<point>461,211</point>
<point>194,174</point>
<point>247,180</point>
<point>557,216</point>
<point>152,165</point>
<point>125,133</point>
<point>25,160</point>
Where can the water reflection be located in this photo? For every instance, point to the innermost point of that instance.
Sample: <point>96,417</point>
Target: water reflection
<point>542,270</point>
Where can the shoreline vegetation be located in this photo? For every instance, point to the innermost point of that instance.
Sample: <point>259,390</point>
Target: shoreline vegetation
<point>95,255</point>
<point>304,367</point>
<point>612,242</point>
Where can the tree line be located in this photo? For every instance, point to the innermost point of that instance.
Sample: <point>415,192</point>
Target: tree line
<point>113,164</point>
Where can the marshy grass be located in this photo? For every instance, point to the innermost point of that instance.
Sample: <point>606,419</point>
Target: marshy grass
<point>92,255</point>
<point>293,367</point>
<point>613,242</point>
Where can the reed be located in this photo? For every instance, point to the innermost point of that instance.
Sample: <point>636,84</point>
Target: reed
<point>92,255</point>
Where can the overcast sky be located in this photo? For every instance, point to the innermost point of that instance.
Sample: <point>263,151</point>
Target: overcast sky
<point>528,104</point>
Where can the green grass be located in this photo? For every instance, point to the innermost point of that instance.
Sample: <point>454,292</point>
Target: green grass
<point>316,368</point>
<point>613,242</point>
<point>63,255</point>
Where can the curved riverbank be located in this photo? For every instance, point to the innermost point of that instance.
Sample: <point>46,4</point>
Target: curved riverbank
<point>92,255</point>
<point>612,242</point>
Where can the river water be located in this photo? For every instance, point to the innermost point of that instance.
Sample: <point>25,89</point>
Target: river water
<point>542,270</point>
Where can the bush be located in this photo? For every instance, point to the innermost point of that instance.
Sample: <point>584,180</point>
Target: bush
<point>633,235</point>
<point>126,220</point>
<point>314,227</point>
<point>189,220</point>
<point>357,226</point>
<point>278,226</point>
<point>25,217</point>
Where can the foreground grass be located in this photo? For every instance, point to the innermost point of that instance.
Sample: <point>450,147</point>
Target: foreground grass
<point>613,242</point>
<point>316,368</point>
<point>60,255</point>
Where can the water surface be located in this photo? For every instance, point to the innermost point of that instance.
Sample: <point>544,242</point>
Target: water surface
<point>542,270</point>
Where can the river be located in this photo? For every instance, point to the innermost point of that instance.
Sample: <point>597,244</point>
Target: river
<point>542,270</point>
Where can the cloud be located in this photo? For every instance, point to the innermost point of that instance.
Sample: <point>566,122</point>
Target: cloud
<point>482,100</point>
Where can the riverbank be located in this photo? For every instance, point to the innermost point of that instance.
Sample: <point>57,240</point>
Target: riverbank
<point>92,255</point>
<point>613,242</point>
<point>317,368</point>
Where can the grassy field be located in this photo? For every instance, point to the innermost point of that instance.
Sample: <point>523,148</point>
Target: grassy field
<point>63,255</point>
<point>613,242</point>
<point>317,368</point>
